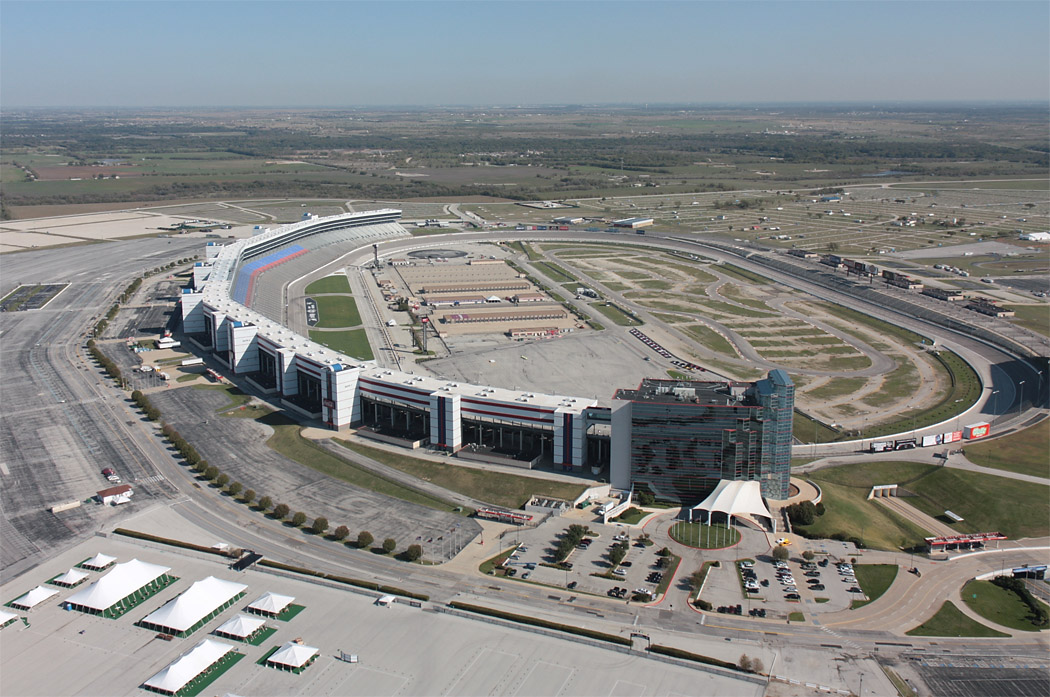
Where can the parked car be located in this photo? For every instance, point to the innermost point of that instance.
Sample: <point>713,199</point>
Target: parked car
<point>817,587</point>
<point>108,472</point>
<point>793,596</point>
<point>572,584</point>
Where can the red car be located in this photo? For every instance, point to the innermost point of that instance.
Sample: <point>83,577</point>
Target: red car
<point>108,472</point>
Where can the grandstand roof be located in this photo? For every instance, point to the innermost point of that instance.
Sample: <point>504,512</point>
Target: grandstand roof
<point>118,584</point>
<point>34,597</point>
<point>188,666</point>
<point>197,602</point>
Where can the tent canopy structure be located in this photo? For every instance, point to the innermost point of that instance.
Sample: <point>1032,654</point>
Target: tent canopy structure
<point>197,602</point>
<point>118,584</point>
<point>736,498</point>
<point>99,561</point>
<point>293,655</point>
<point>6,617</point>
<point>34,598</point>
<point>188,666</point>
<point>271,603</point>
<point>241,626</point>
<point>71,577</point>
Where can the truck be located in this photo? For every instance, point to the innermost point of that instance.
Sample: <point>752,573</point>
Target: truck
<point>192,361</point>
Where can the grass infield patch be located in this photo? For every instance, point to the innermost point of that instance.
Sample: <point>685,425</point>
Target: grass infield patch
<point>950,621</point>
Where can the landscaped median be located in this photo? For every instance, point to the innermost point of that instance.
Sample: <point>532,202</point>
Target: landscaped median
<point>545,624</point>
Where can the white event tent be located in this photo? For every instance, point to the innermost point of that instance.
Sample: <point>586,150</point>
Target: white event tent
<point>271,604</point>
<point>292,656</point>
<point>34,598</point>
<point>70,578</point>
<point>199,603</point>
<point>7,618</point>
<point>241,627</point>
<point>119,587</point>
<point>188,666</point>
<point>736,498</point>
<point>98,562</point>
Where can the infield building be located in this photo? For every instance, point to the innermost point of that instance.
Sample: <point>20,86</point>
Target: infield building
<point>678,439</point>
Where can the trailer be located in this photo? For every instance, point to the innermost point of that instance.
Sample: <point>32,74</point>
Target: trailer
<point>192,361</point>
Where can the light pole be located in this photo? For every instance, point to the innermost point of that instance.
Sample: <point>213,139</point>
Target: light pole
<point>995,402</point>
<point>1020,399</point>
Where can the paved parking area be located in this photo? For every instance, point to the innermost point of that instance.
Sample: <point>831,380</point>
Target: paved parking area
<point>537,549</point>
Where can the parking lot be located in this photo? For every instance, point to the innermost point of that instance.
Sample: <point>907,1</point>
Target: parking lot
<point>534,561</point>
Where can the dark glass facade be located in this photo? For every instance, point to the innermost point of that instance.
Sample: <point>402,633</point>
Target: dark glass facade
<point>686,436</point>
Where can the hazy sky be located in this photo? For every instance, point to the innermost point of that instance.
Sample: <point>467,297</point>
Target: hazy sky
<point>247,53</point>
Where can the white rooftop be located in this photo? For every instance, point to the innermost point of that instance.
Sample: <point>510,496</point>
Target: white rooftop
<point>99,561</point>
<point>188,666</point>
<point>6,616</point>
<point>123,580</point>
<point>241,626</point>
<point>293,655</point>
<point>735,498</point>
<point>272,603</point>
<point>71,577</point>
<point>196,603</point>
<point>34,597</point>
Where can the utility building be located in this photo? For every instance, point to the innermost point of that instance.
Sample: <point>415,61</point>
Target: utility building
<point>679,439</point>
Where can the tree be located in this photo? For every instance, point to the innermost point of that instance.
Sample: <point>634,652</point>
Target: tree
<point>364,539</point>
<point>808,555</point>
<point>298,519</point>
<point>264,503</point>
<point>341,533</point>
<point>320,525</point>
<point>389,545</point>
<point>780,553</point>
<point>235,488</point>
<point>211,473</point>
<point>617,553</point>
<point>757,666</point>
<point>281,511</point>
<point>249,496</point>
<point>414,552</point>
<point>744,663</point>
<point>222,480</point>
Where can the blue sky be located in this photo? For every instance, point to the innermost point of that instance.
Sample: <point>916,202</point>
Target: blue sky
<point>247,53</point>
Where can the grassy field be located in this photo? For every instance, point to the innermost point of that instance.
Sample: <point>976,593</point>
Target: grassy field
<point>329,284</point>
<point>986,502</point>
<point>497,488</point>
<point>1032,317</point>
<point>744,274</point>
<point>997,605</point>
<point>1023,452</point>
<point>555,272</point>
<point>809,430</point>
<point>352,342</point>
<point>874,580</point>
<point>288,441</point>
<point>614,313</point>
<point>950,621</point>
<point>337,312</point>
<point>710,339</point>
<point>836,387</point>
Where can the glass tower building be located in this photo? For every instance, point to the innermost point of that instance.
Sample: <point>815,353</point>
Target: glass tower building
<point>680,438</point>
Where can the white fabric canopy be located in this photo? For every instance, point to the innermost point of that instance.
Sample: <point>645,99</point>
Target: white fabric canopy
<point>241,626</point>
<point>118,584</point>
<point>736,498</point>
<point>188,666</point>
<point>293,655</point>
<point>6,617</point>
<point>200,600</point>
<point>71,577</point>
<point>99,561</point>
<point>34,597</point>
<point>272,603</point>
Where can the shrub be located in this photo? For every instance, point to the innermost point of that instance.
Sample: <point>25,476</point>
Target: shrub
<point>211,473</point>
<point>222,480</point>
<point>364,539</point>
<point>298,519</point>
<point>389,545</point>
<point>780,553</point>
<point>281,511</point>
<point>320,525</point>
<point>414,552</point>
<point>744,663</point>
<point>808,555</point>
<point>235,488</point>
<point>249,496</point>
<point>704,605</point>
<point>264,503</point>
<point>757,666</point>
<point>341,533</point>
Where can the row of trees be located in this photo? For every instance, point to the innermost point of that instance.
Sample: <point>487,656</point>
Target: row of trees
<point>572,537</point>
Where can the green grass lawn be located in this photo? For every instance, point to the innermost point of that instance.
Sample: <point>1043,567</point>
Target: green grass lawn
<point>950,621</point>
<point>336,312</point>
<point>849,513</point>
<point>809,430</point>
<point>710,339</point>
<point>796,617</point>
<point>702,536</point>
<point>555,272</point>
<point>352,342</point>
<point>874,580</point>
<point>614,313</point>
<point>329,284</point>
<point>997,605</point>
<point>497,488</point>
<point>288,441</point>
<point>1023,452</point>
<point>630,516</point>
<point>1032,317</point>
<point>986,502</point>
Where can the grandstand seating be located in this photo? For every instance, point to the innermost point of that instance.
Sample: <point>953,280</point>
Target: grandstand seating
<point>242,287</point>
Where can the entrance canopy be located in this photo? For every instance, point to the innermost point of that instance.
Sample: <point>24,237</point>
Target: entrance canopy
<point>736,498</point>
